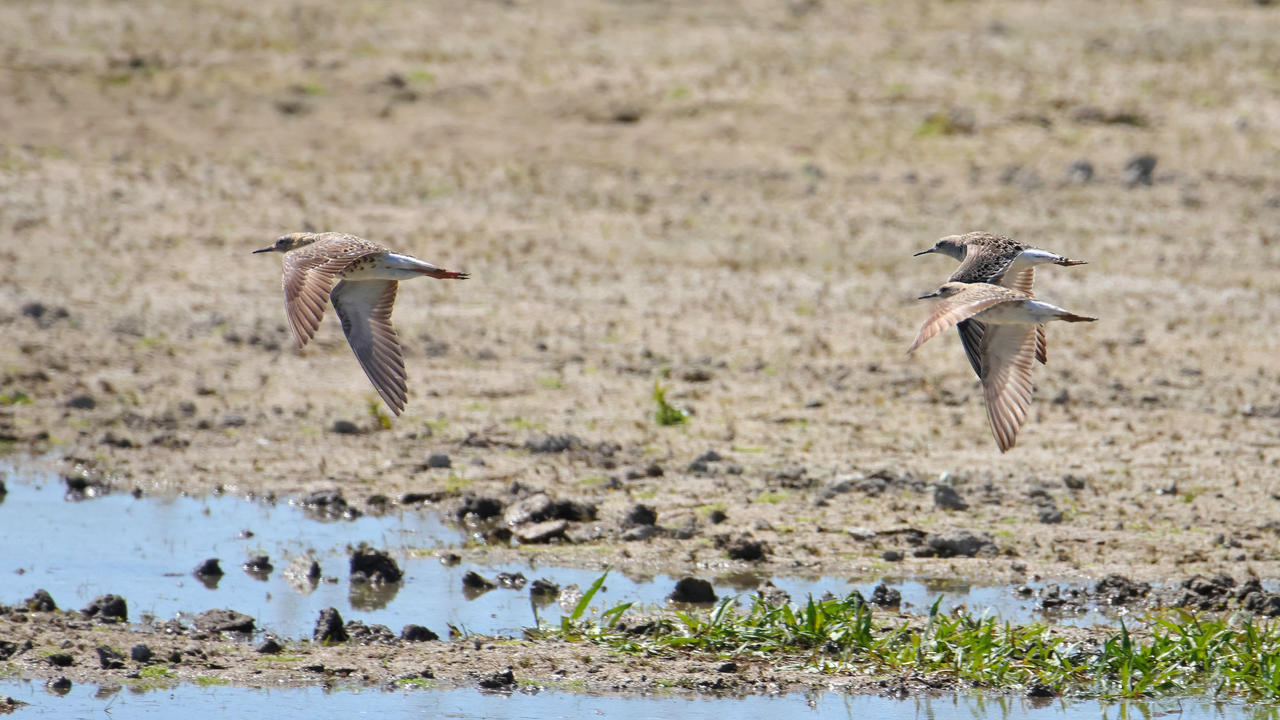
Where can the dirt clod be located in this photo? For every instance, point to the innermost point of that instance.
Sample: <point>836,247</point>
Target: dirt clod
<point>692,590</point>
<point>329,628</point>
<point>107,607</point>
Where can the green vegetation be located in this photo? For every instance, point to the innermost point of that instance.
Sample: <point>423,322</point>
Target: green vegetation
<point>1178,653</point>
<point>155,672</point>
<point>207,681</point>
<point>379,415</point>
<point>667,414</point>
<point>16,398</point>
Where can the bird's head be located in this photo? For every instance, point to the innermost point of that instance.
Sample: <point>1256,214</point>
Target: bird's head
<point>292,241</point>
<point>946,291</point>
<point>952,246</point>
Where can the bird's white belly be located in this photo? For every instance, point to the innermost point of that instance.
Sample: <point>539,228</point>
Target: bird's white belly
<point>388,266</point>
<point>1021,312</point>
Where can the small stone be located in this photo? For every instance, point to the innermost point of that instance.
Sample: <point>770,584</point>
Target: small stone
<point>60,659</point>
<point>110,658</point>
<point>553,443</point>
<point>329,628</point>
<point>1072,482</point>
<point>961,543</point>
<point>1051,516</point>
<point>417,633</point>
<point>439,460</point>
<point>513,581</point>
<point>715,517</point>
<point>82,402</point>
<point>345,427</point>
<point>642,532</point>
<point>544,588</point>
<point>542,532</point>
<point>482,508</point>
<point>60,686</point>
<point>217,621</point>
<point>40,601</point>
<point>140,653</point>
<point>692,590</point>
<point>107,607</point>
<point>729,667</point>
<point>1081,172</point>
<point>885,596</point>
<point>475,581</point>
<point>639,515</point>
<point>1137,171</point>
<point>1041,690</point>
<point>208,568</point>
<point>709,456</point>
<point>269,646</point>
<point>498,680</point>
<point>375,565</point>
<point>945,497</point>
<point>745,548</point>
<point>259,565</point>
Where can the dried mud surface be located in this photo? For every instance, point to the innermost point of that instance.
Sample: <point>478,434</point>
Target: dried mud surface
<point>721,198</point>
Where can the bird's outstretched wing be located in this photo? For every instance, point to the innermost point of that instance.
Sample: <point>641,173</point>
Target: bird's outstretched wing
<point>962,306</point>
<point>309,274</point>
<point>1008,353</point>
<point>364,306</point>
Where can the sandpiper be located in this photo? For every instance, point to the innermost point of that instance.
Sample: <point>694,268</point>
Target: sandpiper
<point>367,275</point>
<point>1007,350</point>
<point>989,258</point>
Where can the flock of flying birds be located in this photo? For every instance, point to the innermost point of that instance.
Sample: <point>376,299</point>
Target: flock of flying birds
<point>988,298</point>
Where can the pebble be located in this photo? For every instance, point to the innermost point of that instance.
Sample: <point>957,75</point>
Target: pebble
<point>692,590</point>
<point>269,646</point>
<point>417,633</point>
<point>329,628</point>
<point>374,566</point>
<point>345,427</point>
<point>945,497</point>
<point>107,607</point>
<point>40,601</point>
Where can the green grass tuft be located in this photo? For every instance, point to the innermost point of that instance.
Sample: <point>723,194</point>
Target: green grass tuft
<point>1178,653</point>
<point>667,414</point>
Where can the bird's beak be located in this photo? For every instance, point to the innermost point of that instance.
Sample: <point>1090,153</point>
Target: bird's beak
<point>922,252</point>
<point>930,295</point>
<point>269,248</point>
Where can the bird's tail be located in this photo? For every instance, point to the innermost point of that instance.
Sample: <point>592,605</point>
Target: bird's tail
<point>1072,317</point>
<point>1068,262</point>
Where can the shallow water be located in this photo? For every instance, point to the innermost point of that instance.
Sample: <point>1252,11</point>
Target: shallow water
<point>145,549</point>
<point>191,701</point>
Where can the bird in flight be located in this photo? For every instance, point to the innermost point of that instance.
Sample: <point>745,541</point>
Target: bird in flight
<point>988,258</point>
<point>1007,349</point>
<point>367,275</point>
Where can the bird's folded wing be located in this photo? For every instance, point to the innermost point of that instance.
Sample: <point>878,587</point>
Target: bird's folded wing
<point>365,309</point>
<point>982,266</point>
<point>962,306</point>
<point>1008,352</point>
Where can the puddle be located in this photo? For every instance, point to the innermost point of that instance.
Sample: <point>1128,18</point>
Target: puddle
<point>145,549</point>
<point>193,701</point>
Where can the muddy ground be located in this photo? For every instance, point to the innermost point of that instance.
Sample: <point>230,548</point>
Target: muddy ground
<point>723,198</point>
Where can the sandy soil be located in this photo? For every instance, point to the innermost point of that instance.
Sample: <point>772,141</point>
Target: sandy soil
<point>720,197</point>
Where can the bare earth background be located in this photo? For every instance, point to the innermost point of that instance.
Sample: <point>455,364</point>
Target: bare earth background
<point>723,196</point>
